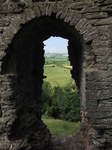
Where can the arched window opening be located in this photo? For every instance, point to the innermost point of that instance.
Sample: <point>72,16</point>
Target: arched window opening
<point>23,71</point>
<point>61,110</point>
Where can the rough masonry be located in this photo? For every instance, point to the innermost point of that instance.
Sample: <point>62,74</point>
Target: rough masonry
<point>24,25</point>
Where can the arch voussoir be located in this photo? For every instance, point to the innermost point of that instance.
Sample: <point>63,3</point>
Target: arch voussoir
<point>37,11</point>
<point>91,34</point>
<point>29,14</point>
<point>69,15</point>
<point>64,13</point>
<point>76,18</point>
<point>80,26</point>
<point>52,8</point>
<point>42,7</point>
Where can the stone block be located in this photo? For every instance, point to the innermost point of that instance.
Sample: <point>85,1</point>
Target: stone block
<point>2,1</point>
<point>104,59</point>
<point>91,34</point>
<point>75,19</point>
<point>43,9</point>
<point>37,11</point>
<point>91,9</point>
<point>1,30</point>
<point>102,66</point>
<point>96,15</point>
<point>79,5</point>
<point>105,104</point>
<point>50,9</point>
<point>55,7</point>
<point>98,85</point>
<point>107,8</point>
<point>108,2</point>
<point>102,51</point>
<point>102,123</point>
<point>104,94</point>
<point>16,21</point>
<point>29,14</point>
<point>86,28</point>
<point>2,54</point>
<point>64,13</point>
<point>106,28</point>
<point>81,24</point>
<point>5,21</point>
<point>4,8</point>
<point>69,15</point>
<point>101,43</point>
<point>58,14</point>
<point>105,21</point>
<point>99,76</point>
<point>98,114</point>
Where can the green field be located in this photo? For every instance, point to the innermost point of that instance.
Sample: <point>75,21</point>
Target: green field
<point>60,127</point>
<point>57,71</point>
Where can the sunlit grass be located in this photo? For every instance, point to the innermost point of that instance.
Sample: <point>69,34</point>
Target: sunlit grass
<point>56,71</point>
<point>57,76</point>
<point>60,127</point>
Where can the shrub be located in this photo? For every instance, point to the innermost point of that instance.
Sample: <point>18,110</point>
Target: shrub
<point>61,102</point>
<point>47,98</point>
<point>70,104</point>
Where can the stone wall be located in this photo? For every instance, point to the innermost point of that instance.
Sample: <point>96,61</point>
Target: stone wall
<point>24,25</point>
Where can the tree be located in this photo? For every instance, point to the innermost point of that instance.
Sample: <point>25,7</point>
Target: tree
<point>70,104</point>
<point>47,97</point>
<point>61,102</point>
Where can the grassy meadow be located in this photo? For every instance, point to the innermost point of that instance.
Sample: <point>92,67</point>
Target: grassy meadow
<point>60,127</point>
<point>57,71</point>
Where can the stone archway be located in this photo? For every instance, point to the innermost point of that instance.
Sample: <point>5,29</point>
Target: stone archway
<point>25,60</point>
<point>22,71</point>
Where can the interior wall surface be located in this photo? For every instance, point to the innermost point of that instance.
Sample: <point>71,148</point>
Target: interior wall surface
<point>24,25</point>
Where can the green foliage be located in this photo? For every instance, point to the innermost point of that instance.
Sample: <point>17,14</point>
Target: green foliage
<point>61,102</point>
<point>61,99</point>
<point>70,104</point>
<point>47,98</point>
<point>60,127</point>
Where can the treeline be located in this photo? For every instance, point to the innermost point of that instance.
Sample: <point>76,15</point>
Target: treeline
<point>62,103</point>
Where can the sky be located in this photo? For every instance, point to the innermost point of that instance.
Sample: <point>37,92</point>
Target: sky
<point>56,45</point>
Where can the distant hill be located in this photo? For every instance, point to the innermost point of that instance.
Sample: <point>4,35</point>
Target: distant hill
<point>56,55</point>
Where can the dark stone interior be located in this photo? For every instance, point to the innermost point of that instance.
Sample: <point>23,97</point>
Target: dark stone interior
<point>25,60</point>
<point>28,44</point>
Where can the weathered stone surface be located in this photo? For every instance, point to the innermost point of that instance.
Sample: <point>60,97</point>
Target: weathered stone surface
<point>96,15</point>
<point>102,41</point>
<point>102,51</point>
<point>24,25</point>
<point>69,15</point>
<point>107,8</point>
<point>90,9</point>
<point>90,34</point>
<point>79,5</point>
<point>64,13</point>
<point>104,21</point>
<point>37,11</point>
<point>75,19</point>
